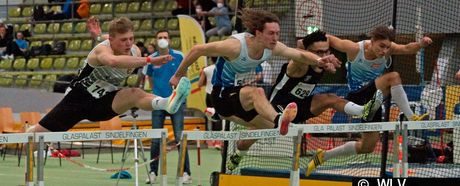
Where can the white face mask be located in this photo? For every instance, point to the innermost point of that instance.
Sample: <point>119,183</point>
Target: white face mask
<point>163,43</point>
<point>220,5</point>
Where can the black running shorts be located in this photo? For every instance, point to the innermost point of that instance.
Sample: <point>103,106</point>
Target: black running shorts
<point>227,103</point>
<point>364,95</point>
<point>77,105</point>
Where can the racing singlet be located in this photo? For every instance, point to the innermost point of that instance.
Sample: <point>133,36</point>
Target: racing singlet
<point>238,71</point>
<point>361,71</point>
<point>288,89</point>
<point>100,80</point>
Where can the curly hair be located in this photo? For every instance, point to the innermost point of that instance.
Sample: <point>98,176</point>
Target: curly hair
<point>314,37</point>
<point>382,33</point>
<point>255,20</point>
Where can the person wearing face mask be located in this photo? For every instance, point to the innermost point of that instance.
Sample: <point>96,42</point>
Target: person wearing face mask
<point>223,23</point>
<point>159,76</point>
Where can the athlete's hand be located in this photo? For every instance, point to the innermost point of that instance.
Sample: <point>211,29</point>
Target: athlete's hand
<point>93,26</point>
<point>174,80</point>
<point>329,62</point>
<point>457,75</point>
<point>330,68</point>
<point>160,60</point>
<point>425,41</point>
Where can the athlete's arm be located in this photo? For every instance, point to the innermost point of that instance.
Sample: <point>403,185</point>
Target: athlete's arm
<point>300,44</point>
<point>305,57</point>
<point>226,48</point>
<point>94,28</point>
<point>410,48</point>
<point>295,54</point>
<point>202,80</point>
<point>343,45</point>
<point>103,55</point>
<point>457,75</point>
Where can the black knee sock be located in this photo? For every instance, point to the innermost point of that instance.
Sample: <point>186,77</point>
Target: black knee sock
<point>277,118</point>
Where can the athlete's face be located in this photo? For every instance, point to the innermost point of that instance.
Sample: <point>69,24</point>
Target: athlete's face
<point>380,47</point>
<point>270,35</point>
<point>320,48</point>
<point>122,43</point>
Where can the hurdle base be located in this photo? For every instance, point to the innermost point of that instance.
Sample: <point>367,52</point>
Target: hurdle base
<point>164,180</point>
<point>41,183</point>
<point>230,180</point>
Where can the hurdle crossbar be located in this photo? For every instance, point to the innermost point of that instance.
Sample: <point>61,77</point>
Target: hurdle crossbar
<point>15,138</point>
<point>101,135</point>
<point>347,127</point>
<point>434,124</point>
<point>96,135</point>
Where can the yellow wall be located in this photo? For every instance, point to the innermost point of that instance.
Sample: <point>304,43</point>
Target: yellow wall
<point>452,94</point>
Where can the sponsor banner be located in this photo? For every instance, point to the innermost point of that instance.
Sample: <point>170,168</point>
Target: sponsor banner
<point>191,34</point>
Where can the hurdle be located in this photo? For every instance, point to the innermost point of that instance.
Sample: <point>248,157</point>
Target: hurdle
<point>23,138</point>
<point>235,136</point>
<point>257,179</point>
<point>101,135</point>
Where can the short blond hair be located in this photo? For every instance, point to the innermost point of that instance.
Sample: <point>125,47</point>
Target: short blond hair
<point>120,26</point>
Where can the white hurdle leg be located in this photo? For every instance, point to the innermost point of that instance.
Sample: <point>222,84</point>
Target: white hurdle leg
<point>40,161</point>
<point>162,173</point>
<point>396,165</point>
<point>405,165</point>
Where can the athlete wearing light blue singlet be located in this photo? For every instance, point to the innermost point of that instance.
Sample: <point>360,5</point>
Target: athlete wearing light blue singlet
<point>231,75</point>
<point>365,76</point>
<point>239,56</point>
<point>237,71</point>
<point>361,75</point>
<point>361,71</point>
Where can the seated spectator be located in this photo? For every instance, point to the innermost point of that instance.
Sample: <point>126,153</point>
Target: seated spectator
<point>151,48</point>
<point>142,48</point>
<point>204,5</point>
<point>183,7</point>
<point>22,43</point>
<point>223,23</point>
<point>5,37</point>
<point>8,46</point>
<point>83,9</point>
<point>69,10</point>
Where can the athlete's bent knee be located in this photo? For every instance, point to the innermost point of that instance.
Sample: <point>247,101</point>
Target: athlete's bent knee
<point>366,149</point>
<point>136,92</point>
<point>394,77</point>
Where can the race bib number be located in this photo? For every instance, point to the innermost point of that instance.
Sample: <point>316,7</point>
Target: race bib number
<point>243,79</point>
<point>100,88</point>
<point>302,90</point>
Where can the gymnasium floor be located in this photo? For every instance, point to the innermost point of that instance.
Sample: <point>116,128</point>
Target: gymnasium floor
<point>72,175</point>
